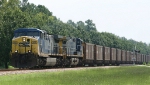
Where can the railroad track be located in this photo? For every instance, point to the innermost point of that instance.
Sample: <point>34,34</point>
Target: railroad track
<point>41,68</point>
<point>44,68</point>
<point>24,71</point>
<point>6,70</point>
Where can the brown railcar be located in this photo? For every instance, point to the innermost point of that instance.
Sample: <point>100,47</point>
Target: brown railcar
<point>113,55</point>
<point>88,53</point>
<point>128,56</point>
<point>138,59</point>
<point>148,58</point>
<point>98,54</point>
<point>131,57</point>
<point>144,58</point>
<point>123,56</point>
<point>118,57</point>
<point>106,55</point>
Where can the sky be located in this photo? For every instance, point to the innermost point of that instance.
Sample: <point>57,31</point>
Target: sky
<point>124,18</point>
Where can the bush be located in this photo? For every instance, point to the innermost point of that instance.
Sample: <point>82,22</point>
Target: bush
<point>144,63</point>
<point>148,64</point>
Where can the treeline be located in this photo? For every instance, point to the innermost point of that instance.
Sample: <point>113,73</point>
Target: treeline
<point>22,14</point>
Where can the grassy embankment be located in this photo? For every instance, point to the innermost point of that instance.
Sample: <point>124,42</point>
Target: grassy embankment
<point>133,75</point>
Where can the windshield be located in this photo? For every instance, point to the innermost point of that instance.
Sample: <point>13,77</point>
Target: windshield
<point>32,34</point>
<point>27,34</point>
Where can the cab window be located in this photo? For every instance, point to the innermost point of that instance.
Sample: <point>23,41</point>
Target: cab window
<point>27,34</point>
<point>20,34</point>
<point>32,33</point>
<point>41,35</point>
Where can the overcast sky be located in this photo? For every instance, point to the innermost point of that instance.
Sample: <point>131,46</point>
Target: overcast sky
<point>125,18</point>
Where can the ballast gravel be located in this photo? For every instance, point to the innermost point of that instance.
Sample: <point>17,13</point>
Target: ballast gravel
<point>49,70</point>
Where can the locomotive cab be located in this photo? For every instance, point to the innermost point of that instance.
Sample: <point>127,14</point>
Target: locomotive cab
<point>75,50</point>
<point>74,47</point>
<point>25,41</point>
<point>25,48</point>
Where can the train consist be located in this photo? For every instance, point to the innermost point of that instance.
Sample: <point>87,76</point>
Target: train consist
<point>34,47</point>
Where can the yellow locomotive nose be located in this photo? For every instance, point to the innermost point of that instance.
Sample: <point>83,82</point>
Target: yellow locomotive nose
<point>24,44</point>
<point>24,51</point>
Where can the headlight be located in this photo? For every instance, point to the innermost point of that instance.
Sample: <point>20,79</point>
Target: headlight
<point>16,51</point>
<point>24,39</point>
<point>29,51</point>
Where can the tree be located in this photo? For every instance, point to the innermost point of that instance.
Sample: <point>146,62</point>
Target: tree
<point>90,25</point>
<point>43,9</point>
<point>71,23</point>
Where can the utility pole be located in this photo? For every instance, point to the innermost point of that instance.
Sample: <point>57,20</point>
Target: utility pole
<point>134,54</point>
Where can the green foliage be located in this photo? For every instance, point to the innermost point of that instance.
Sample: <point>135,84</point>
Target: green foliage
<point>90,25</point>
<point>11,67</point>
<point>144,63</point>
<point>148,64</point>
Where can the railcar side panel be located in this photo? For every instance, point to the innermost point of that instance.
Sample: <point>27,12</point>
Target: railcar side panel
<point>123,56</point>
<point>148,58</point>
<point>138,58</point>
<point>88,53</point>
<point>144,59</point>
<point>106,55</point>
<point>128,56</point>
<point>131,57</point>
<point>98,54</point>
<point>118,56</point>
<point>113,55</point>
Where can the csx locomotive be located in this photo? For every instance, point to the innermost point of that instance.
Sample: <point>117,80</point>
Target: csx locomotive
<point>34,47</point>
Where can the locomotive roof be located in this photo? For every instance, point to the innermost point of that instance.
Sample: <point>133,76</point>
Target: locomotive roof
<point>28,29</point>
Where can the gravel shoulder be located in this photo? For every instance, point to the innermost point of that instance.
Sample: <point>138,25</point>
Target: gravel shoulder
<point>50,70</point>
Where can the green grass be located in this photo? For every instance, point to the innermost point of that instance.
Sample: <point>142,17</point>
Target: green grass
<point>9,67</point>
<point>133,75</point>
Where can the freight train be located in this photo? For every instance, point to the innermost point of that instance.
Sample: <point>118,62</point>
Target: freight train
<point>34,47</point>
